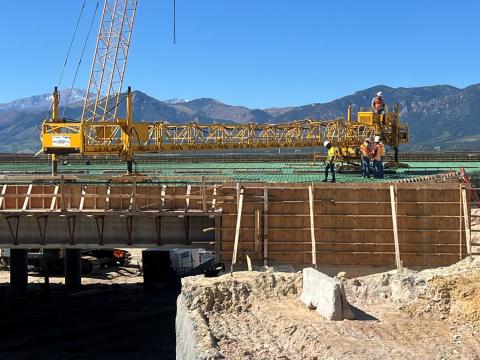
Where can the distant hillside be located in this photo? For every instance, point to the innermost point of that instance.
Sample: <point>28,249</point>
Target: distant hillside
<point>44,101</point>
<point>441,115</point>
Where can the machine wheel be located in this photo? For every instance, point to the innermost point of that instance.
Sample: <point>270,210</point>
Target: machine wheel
<point>90,264</point>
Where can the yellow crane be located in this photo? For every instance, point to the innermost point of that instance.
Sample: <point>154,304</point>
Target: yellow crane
<point>101,132</point>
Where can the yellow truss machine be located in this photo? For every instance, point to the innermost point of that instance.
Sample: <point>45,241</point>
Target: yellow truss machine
<point>123,137</point>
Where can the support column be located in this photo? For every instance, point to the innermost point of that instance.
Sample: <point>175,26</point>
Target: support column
<point>73,269</point>
<point>18,272</point>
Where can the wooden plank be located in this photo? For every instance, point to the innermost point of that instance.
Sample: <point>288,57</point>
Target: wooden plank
<point>187,198</point>
<point>466,218</point>
<point>2,199</point>
<point>214,197</point>
<point>133,198</point>
<point>82,199</point>
<point>237,229</point>
<point>257,231</point>
<point>249,263</point>
<point>312,226</point>
<point>398,262</point>
<point>27,197</point>
<point>62,193</point>
<point>238,194</point>
<point>54,198</point>
<point>107,197</point>
<point>162,195</point>
<point>460,254</point>
<point>204,195</point>
<point>436,249</point>
<point>265,225</point>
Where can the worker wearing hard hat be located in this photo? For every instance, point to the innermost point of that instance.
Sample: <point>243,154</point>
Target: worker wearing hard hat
<point>377,154</point>
<point>378,105</point>
<point>366,150</point>
<point>330,163</point>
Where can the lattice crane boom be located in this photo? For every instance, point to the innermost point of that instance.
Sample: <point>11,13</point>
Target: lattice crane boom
<point>109,60</point>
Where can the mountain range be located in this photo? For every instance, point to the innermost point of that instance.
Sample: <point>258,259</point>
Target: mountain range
<point>439,116</point>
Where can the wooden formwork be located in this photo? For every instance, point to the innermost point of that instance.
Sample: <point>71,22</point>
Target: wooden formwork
<point>142,215</point>
<point>100,198</point>
<point>350,224</point>
<point>354,224</point>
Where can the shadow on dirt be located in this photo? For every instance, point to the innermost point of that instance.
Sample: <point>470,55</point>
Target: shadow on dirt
<point>97,322</point>
<point>362,315</point>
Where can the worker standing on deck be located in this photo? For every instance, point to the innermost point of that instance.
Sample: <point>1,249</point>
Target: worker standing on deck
<point>377,154</point>
<point>331,157</point>
<point>366,150</point>
<point>378,105</point>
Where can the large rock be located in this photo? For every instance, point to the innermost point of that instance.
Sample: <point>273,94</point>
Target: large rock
<point>326,295</point>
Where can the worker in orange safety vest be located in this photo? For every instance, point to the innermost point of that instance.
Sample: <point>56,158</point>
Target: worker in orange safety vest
<point>377,154</point>
<point>378,105</point>
<point>366,150</point>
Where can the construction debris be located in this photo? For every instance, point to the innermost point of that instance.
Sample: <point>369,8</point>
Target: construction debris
<point>431,314</point>
<point>326,295</point>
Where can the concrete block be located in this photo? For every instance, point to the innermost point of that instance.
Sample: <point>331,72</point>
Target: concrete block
<point>326,295</point>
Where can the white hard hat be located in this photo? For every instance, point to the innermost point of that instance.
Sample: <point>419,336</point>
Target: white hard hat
<point>326,142</point>
<point>377,139</point>
<point>379,93</point>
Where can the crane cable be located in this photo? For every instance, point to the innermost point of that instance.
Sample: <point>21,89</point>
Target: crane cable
<point>81,57</point>
<point>71,43</point>
<point>67,56</point>
<point>174,22</point>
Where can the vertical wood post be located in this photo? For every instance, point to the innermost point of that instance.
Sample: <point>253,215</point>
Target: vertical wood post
<point>2,199</point>
<point>204,195</point>
<point>460,250</point>
<point>237,228</point>
<point>466,219</point>
<point>162,197</point>
<point>187,197</point>
<point>393,202</point>
<point>257,231</point>
<point>214,197</point>
<point>265,225</point>
<point>63,205</point>
<point>249,263</point>
<point>312,226</point>
<point>238,194</point>
<point>53,203</point>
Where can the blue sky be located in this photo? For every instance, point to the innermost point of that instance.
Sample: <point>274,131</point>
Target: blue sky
<point>258,53</point>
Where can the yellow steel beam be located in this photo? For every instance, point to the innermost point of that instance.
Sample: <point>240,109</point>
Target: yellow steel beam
<point>124,137</point>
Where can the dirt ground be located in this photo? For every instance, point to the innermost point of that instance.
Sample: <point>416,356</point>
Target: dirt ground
<point>433,314</point>
<point>110,318</point>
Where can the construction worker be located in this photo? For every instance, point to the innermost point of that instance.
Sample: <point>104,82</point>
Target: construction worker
<point>378,106</point>
<point>366,150</point>
<point>330,163</point>
<point>377,154</point>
